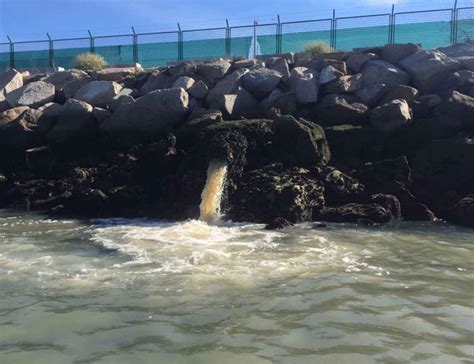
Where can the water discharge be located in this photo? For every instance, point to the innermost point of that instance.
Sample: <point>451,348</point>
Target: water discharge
<point>210,208</point>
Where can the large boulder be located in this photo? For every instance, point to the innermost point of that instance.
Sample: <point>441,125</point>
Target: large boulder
<point>261,81</point>
<point>304,84</point>
<point>68,82</point>
<point>456,111</point>
<point>371,95</point>
<point>184,82</point>
<point>338,109</point>
<point>228,85</point>
<point>156,81</point>
<point>18,129</point>
<point>75,120</point>
<point>300,143</point>
<point>462,212</point>
<point>279,64</point>
<point>429,69</point>
<point>199,90</point>
<point>240,104</point>
<point>33,94</point>
<point>344,84</point>
<point>393,53</point>
<point>378,72</point>
<point>390,116</point>
<point>10,80</point>
<point>115,73</point>
<point>329,74</point>
<point>400,92</point>
<point>150,114</point>
<point>4,105</point>
<point>98,93</point>
<point>356,61</point>
<point>364,214</point>
<point>280,102</point>
<point>213,71</point>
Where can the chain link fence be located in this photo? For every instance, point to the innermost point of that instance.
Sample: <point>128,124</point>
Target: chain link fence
<point>429,28</point>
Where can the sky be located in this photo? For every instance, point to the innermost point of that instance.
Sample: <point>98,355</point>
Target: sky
<point>31,19</point>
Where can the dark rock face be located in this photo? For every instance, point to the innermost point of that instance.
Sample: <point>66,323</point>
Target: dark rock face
<point>364,214</point>
<point>462,212</point>
<point>338,110</point>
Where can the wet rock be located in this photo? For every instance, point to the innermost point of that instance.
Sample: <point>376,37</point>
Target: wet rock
<point>278,223</point>
<point>98,93</point>
<point>150,114</point>
<point>364,214</point>
<point>356,61</point>
<point>381,72</point>
<point>33,94</point>
<point>304,84</point>
<point>300,143</point>
<point>428,69</point>
<point>462,212</point>
<point>338,109</point>
<point>393,53</point>
<point>260,82</point>
<point>390,116</point>
<point>390,203</point>
<point>340,188</point>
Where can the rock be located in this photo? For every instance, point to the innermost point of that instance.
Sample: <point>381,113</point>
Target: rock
<point>199,90</point>
<point>467,63</point>
<point>364,214</point>
<point>49,116</point>
<point>390,116</point>
<point>100,114</point>
<point>278,223</point>
<point>371,95</point>
<point>393,53</point>
<point>300,143</point>
<point>238,105</point>
<point>150,114</point>
<point>213,71</point>
<point>4,105</point>
<point>98,93</point>
<point>228,85</point>
<point>459,50</point>
<point>339,188</point>
<point>283,103</point>
<point>344,84</point>
<point>337,110</point>
<point>115,73</point>
<point>329,74</point>
<point>462,81</point>
<point>423,106</point>
<point>33,94</point>
<point>356,61</point>
<point>156,81</point>
<point>390,203</point>
<point>443,173</point>
<point>10,115</point>
<point>280,65</point>
<point>457,111</point>
<point>60,79</point>
<point>304,84</point>
<point>244,63</point>
<point>39,159</point>
<point>120,100</point>
<point>260,82</point>
<point>18,129</point>
<point>428,69</point>
<point>75,121</point>
<point>319,64</point>
<point>378,72</point>
<point>70,88</point>
<point>182,69</point>
<point>183,82</point>
<point>10,80</point>
<point>266,194</point>
<point>400,92</point>
<point>462,213</point>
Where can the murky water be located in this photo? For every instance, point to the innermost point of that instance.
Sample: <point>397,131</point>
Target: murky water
<point>137,291</point>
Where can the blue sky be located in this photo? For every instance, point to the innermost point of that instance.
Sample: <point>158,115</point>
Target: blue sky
<point>31,19</point>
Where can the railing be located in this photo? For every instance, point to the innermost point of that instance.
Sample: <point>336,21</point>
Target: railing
<point>429,28</point>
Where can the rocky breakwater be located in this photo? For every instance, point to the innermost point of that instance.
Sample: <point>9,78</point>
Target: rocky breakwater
<point>368,136</point>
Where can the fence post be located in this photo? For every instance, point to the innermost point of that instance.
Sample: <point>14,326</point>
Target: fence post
<point>12,52</point>
<point>228,50</point>
<point>332,37</point>
<point>180,43</point>
<point>51,50</point>
<point>454,23</point>
<point>135,46</point>
<point>91,42</point>
<point>391,31</point>
<point>279,36</point>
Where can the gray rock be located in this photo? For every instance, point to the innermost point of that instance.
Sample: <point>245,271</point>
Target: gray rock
<point>260,82</point>
<point>393,53</point>
<point>4,105</point>
<point>375,72</point>
<point>357,61</point>
<point>430,101</point>
<point>60,79</point>
<point>156,81</point>
<point>213,71</point>
<point>150,114</point>
<point>199,90</point>
<point>467,63</point>
<point>244,63</point>
<point>70,88</point>
<point>459,50</point>
<point>371,95</point>
<point>114,73</point>
<point>304,84</point>
<point>344,84</point>
<point>100,114</point>
<point>390,116</point>
<point>329,74</point>
<point>281,65</point>
<point>319,63</point>
<point>339,110</point>
<point>119,100</point>
<point>33,94</point>
<point>227,85</point>
<point>428,69</point>
<point>10,80</point>
<point>183,82</point>
<point>98,93</point>
<point>400,92</point>
<point>241,104</point>
<point>283,103</point>
<point>75,121</point>
<point>457,111</point>
<point>18,128</point>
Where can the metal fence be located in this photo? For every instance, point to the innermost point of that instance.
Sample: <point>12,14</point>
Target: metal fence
<point>429,28</point>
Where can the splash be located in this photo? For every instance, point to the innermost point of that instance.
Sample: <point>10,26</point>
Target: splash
<point>211,195</point>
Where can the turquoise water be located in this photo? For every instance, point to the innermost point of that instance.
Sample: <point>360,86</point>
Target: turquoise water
<point>429,34</point>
